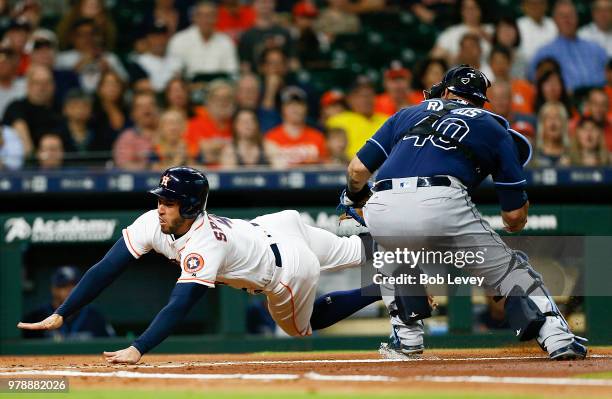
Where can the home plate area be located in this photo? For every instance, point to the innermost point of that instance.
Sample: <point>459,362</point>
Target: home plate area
<point>496,371</point>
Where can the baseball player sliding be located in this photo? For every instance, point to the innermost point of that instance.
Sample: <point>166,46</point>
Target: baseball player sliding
<point>276,254</point>
<point>429,157</point>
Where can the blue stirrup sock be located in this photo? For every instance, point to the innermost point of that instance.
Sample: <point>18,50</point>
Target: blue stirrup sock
<point>335,306</point>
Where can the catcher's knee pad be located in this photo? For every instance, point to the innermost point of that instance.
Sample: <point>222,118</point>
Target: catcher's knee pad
<point>527,301</point>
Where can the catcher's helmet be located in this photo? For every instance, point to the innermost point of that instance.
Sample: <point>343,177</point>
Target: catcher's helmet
<point>186,185</point>
<point>464,81</point>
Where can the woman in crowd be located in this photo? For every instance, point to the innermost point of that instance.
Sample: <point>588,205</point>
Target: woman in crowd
<point>95,10</point>
<point>552,136</point>
<point>588,147</point>
<point>507,35</point>
<point>110,115</point>
<point>169,148</point>
<point>247,147</point>
<point>428,73</point>
<point>550,88</point>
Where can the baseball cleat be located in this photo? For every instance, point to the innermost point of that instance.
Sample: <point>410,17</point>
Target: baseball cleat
<point>573,351</point>
<point>395,344</point>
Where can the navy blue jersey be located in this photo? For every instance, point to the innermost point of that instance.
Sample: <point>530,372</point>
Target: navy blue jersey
<point>395,154</point>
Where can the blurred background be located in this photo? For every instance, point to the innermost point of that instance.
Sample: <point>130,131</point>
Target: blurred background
<point>272,99</point>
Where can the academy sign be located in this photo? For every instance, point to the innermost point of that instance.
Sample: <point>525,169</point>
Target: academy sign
<point>61,230</point>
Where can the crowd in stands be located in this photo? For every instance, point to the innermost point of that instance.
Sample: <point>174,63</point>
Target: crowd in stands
<point>231,84</point>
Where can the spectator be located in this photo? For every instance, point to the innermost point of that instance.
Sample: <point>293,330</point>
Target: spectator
<point>550,88</point>
<point>567,48</point>
<point>16,37</point>
<point>507,35</point>
<point>448,43</point>
<point>170,149</point>
<point>428,11</point>
<point>398,91</point>
<point>470,53</point>
<point>214,124</point>
<point>110,115</point>
<point>132,148</point>
<point>12,87</point>
<point>164,13</point>
<point>337,19</point>
<point>248,94</point>
<point>307,41</point>
<point>86,323</point>
<point>247,147</point>
<point>94,11</point>
<point>200,48</point>
<point>31,12</point>
<point>158,65</point>
<point>523,92</point>
<point>77,133</point>
<point>333,102</point>
<point>429,72</point>
<point>35,114</point>
<point>600,30</point>
<point>43,52</point>
<point>588,146</point>
<point>500,95</point>
<point>87,58</point>
<point>293,142</point>
<point>265,34</point>
<point>597,107</point>
<point>11,149</point>
<point>535,27</point>
<point>337,142</point>
<point>552,138</point>
<point>360,122</point>
<point>248,91</point>
<point>235,18</point>
<point>50,152</point>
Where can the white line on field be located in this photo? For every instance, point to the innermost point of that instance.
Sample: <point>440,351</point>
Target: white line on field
<point>320,377</point>
<point>161,376</point>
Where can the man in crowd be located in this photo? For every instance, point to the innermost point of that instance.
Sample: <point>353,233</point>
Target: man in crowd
<point>202,49</point>
<point>397,93</point>
<point>35,114</point>
<point>567,48</point>
<point>12,87</point>
<point>159,66</point>
<point>293,142</point>
<point>360,122</point>
<point>535,28</point>
<point>600,30</point>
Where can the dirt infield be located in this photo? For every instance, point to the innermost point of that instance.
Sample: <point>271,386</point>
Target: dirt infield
<point>507,371</point>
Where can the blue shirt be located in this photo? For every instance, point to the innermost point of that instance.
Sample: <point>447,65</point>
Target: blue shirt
<point>583,63</point>
<point>395,154</point>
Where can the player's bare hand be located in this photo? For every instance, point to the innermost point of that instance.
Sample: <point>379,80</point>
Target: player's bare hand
<point>50,323</point>
<point>129,355</point>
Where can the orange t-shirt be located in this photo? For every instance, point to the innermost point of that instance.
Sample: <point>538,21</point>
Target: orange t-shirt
<point>203,127</point>
<point>309,147</point>
<point>235,24</point>
<point>384,104</point>
<point>523,97</point>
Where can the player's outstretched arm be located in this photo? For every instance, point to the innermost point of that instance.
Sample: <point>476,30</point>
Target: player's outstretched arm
<point>182,299</point>
<point>91,285</point>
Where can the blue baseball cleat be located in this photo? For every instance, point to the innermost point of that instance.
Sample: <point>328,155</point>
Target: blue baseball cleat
<point>573,351</point>
<point>395,344</point>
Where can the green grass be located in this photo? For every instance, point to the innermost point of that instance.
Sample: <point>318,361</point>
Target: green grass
<point>170,394</point>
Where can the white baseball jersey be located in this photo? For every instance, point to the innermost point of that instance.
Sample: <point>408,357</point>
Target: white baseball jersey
<point>214,250</point>
<point>237,253</point>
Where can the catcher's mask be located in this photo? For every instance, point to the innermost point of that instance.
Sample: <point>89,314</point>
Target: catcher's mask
<point>464,81</point>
